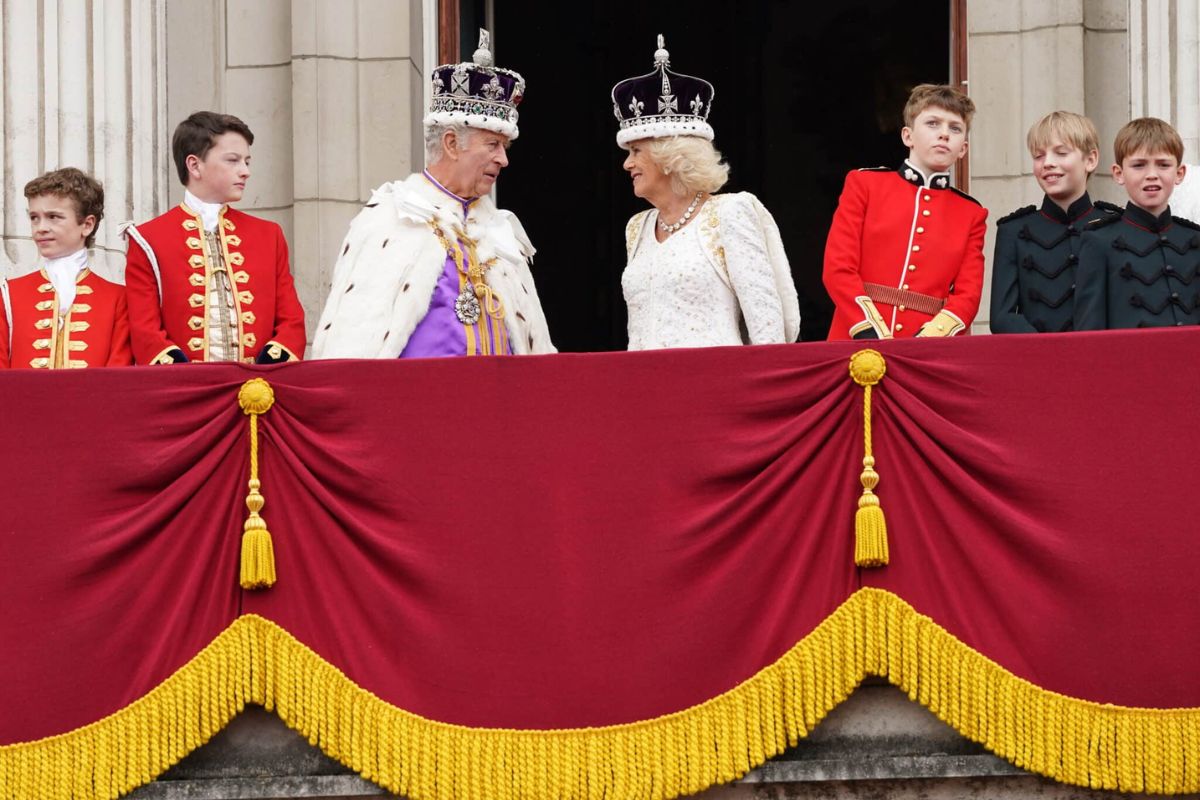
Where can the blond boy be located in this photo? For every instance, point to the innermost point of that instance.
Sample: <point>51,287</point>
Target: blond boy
<point>1037,247</point>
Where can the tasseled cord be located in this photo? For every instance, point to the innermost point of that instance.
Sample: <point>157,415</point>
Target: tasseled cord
<point>258,554</point>
<point>867,368</point>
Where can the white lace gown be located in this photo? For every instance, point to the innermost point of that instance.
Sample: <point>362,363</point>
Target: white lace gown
<point>680,294</point>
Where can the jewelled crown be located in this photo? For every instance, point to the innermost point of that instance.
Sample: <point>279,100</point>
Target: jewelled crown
<point>662,103</point>
<point>477,93</point>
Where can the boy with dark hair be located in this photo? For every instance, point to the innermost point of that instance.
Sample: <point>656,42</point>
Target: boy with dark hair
<point>207,282</point>
<point>1033,272</point>
<point>904,255</point>
<point>63,315</point>
<point>1141,269</point>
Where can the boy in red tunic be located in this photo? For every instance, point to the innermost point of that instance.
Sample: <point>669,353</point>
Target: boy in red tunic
<point>63,315</point>
<point>904,255</point>
<point>207,282</point>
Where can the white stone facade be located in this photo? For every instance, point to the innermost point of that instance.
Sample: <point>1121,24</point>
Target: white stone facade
<point>334,91</point>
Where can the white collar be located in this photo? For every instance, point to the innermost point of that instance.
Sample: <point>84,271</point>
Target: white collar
<point>66,268</point>
<point>63,273</point>
<point>208,212</point>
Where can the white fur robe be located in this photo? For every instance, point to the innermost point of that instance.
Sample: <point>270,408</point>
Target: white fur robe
<point>390,262</point>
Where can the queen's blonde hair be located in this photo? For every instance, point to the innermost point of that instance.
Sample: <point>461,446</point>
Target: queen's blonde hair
<point>692,163</point>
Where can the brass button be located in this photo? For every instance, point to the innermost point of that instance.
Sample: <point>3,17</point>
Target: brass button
<point>905,287</point>
<point>920,230</point>
<point>912,267</point>
<point>925,213</point>
<point>899,308</point>
<point>916,248</point>
<point>925,198</point>
<point>899,326</point>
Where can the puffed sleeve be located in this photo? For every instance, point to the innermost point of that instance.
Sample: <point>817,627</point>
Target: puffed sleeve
<point>750,270</point>
<point>120,351</point>
<point>288,331</point>
<point>963,302</point>
<point>1005,316</point>
<point>843,251</point>
<point>147,332</point>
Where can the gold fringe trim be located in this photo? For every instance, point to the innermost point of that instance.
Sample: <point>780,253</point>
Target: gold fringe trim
<point>873,633</point>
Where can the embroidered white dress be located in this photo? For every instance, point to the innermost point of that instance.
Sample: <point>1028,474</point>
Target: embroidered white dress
<point>721,280</point>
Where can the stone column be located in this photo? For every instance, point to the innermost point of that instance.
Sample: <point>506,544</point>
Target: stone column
<point>84,86</point>
<point>1164,67</point>
<point>357,94</point>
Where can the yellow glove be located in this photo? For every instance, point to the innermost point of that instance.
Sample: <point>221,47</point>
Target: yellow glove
<point>944,324</point>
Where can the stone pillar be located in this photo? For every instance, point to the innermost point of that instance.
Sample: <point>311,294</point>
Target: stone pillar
<point>1106,83</point>
<point>357,91</point>
<point>1027,59</point>
<point>84,86</point>
<point>1164,67</point>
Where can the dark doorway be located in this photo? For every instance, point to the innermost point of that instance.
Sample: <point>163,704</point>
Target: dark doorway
<point>804,93</point>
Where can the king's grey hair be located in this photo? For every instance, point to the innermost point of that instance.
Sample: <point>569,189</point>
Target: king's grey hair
<point>433,139</point>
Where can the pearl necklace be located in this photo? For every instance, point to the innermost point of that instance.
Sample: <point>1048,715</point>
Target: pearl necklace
<point>684,219</point>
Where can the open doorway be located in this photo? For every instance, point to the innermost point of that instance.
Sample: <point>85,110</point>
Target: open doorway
<point>804,93</point>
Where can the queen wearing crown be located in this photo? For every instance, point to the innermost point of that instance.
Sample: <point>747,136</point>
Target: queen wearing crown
<point>703,269</point>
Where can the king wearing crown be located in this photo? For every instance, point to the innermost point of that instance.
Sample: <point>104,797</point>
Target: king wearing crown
<point>430,266</point>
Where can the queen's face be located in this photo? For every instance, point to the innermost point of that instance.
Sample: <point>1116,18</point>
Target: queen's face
<point>649,181</point>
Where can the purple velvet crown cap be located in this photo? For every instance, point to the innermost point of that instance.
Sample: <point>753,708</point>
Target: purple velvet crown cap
<point>662,103</point>
<point>477,93</point>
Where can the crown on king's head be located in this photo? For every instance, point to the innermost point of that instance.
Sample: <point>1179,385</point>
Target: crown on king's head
<point>662,103</point>
<point>477,93</point>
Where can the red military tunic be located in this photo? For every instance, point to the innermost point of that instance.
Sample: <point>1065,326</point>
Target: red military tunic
<point>903,234</point>
<point>268,312</point>
<point>94,331</point>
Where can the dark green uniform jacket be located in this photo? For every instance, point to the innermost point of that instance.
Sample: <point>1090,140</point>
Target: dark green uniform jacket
<point>1033,271</point>
<point>1138,271</point>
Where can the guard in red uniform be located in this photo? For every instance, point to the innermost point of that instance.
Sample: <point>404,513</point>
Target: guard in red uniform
<point>207,282</point>
<point>904,255</point>
<point>64,315</point>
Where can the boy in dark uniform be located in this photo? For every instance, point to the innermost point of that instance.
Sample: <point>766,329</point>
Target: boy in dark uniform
<point>904,255</point>
<point>1033,272</point>
<point>1141,269</point>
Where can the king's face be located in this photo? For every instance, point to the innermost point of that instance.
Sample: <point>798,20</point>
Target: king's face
<point>478,164</point>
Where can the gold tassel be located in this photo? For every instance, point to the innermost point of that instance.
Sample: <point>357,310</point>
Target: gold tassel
<point>258,553</point>
<point>867,368</point>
